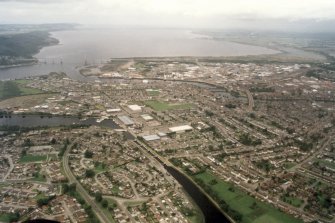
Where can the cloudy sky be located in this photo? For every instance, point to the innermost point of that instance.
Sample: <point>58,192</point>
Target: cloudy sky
<point>172,13</point>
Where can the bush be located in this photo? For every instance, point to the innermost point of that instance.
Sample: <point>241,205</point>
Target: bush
<point>89,173</point>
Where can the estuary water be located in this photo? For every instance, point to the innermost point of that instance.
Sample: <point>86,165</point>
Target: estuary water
<point>96,45</point>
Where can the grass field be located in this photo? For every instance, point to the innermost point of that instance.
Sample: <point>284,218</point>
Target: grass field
<point>23,101</point>
<point>252,210</point>
<point>10,89</point>
<point>163,106</point>
<point>32,158</point>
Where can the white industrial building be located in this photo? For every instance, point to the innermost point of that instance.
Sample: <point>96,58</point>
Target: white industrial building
<point>135,108</point>
<point>181,128</point>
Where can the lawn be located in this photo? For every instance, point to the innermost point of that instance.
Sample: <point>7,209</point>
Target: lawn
<point>39,178</point>
<point>163,106</point>
<point>296,202</point>
<point>6,217</point>
<point>10,89</point>
<point>252,210</point>
<point>152,92</point>
<point>40,196</point>
<point>289,165</point>
<point>32,158</point>
<point>100,168</point>
<point>327,163</point>
<point>107,212</point>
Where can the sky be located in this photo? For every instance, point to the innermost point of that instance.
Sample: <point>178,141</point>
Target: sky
<point>262,14</point>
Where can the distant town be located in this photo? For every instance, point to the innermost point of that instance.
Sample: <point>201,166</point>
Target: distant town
<point>256,139</point>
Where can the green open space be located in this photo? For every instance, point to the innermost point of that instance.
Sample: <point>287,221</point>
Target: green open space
<point>296,202</point>
<point>252,210</point>
<point>327,163</point>
<point>163,106</point>
<point>197,218</point>
<point>107,212</point>
<point>100,168</point>
<point>153,92</point>
<point>40,196</point>
<point>32,158</point>
<point>39,177</point>
<point>289,165</point>
<point>10,89</point>
<point>7,217</point>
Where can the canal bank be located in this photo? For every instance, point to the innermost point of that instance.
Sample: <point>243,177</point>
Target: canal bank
<point>210,209</point>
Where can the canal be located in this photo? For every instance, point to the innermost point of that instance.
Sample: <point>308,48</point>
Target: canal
<point>211,213</point>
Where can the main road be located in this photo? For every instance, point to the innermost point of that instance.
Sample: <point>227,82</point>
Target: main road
<point>80,189</point>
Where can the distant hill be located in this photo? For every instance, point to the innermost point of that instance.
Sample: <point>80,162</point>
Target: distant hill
<point>18,43</point>
<point>25,44</point>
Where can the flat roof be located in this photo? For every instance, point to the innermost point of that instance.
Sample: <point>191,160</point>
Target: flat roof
<point>151,137</point>
<point>135,107</point>
<point>113,110</point>
<point>180,128</point>
<point>147,117</point>
<point>126,120</point>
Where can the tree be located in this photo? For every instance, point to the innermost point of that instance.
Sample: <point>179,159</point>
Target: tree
<point>24,152</point>
<point>14,217</point>
<point>65,188</point>
<point>98,197</point>
<point>53,141</point>
<point>89,173</point>
<point>44,201</point>
<point>27,143</point>
<point>104,203</point>
<point>213,182</point>
<point>88,154</point>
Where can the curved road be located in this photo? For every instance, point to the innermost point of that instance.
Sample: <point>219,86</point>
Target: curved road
<point>80,189</point>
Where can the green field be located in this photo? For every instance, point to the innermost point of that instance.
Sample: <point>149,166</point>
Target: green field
<point>32,158</point>
<point>252,210</point>
<point>163,106</point>
<point>10,89</point>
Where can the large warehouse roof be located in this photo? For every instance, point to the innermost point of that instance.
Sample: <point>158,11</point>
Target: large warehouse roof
<point>151,137</point>
<point>126,120</point>
<point>181,128</point>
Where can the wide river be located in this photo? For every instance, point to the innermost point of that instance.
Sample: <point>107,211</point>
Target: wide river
<point>96,45</point>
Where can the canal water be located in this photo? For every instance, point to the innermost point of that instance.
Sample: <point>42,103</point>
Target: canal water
<point>211,213</point>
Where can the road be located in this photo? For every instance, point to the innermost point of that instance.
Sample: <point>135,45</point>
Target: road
<point>11,167</point>
<point>250,100</point>
<point>80,189</point>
